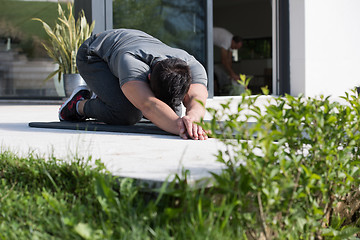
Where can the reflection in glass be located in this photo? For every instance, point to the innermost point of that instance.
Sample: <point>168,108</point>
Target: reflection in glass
<point>256,48</point>
<point>24,63</point>
<point>178,23</point>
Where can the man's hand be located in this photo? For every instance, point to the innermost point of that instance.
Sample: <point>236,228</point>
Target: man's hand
<point>141,96</point>
<point>189,129</point>
<point>194,112</point>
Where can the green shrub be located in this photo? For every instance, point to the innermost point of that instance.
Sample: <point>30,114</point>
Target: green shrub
<point>15,24</point>
<point>293,172</point>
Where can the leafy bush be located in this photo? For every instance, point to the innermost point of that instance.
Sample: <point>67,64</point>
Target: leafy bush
<point>294,171</point>
<point>24,34</point>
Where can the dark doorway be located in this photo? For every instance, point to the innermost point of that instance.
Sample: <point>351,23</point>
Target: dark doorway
<point>251,20</point>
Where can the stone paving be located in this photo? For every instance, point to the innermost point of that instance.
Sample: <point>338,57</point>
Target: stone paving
<point>139,156</point>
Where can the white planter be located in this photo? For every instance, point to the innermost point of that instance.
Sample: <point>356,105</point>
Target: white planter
<point>59,86</point>
<point>72,81</point>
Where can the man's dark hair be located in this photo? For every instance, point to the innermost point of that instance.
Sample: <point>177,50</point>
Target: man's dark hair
<point>170,81</point>
<point>237,39</point>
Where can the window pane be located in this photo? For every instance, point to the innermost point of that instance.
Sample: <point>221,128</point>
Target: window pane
<point>178,23</point>
<point>256,48</point>
<point>24,63</point>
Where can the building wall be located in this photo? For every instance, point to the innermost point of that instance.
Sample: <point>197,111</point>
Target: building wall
<point>297,47</point>
<point>329,33</point>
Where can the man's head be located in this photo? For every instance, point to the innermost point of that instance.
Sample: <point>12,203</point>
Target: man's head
<point>170,80</point>
<point>236,42</point>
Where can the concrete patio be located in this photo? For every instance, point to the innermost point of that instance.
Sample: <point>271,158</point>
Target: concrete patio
<point>140,156</point>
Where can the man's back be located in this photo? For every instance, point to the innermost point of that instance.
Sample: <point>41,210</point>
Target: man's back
<point>222,38</point>
<point>131,54</point>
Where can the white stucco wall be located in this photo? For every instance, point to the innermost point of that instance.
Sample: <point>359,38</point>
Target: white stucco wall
<point>331,39</point>
<point>297,47</point>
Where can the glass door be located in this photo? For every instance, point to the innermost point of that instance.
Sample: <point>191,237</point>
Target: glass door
<point>252,21</point>
<point>24,63</point>
<point>178,23</point>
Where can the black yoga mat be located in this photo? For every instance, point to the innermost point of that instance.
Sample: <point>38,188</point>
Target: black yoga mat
<point>144,126</point>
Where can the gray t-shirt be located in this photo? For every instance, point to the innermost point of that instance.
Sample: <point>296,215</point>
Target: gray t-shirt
<point>130,55</point>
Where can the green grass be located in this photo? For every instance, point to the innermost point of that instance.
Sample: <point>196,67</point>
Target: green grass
<point>19,14</point>
<point>54,199</point>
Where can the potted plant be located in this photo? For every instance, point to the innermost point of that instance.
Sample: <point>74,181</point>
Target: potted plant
<point>64,41</point>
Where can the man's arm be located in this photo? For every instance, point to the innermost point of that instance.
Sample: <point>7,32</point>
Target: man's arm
<point>226,60</point>
<point>159,113</point>
<point>195,111</point>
